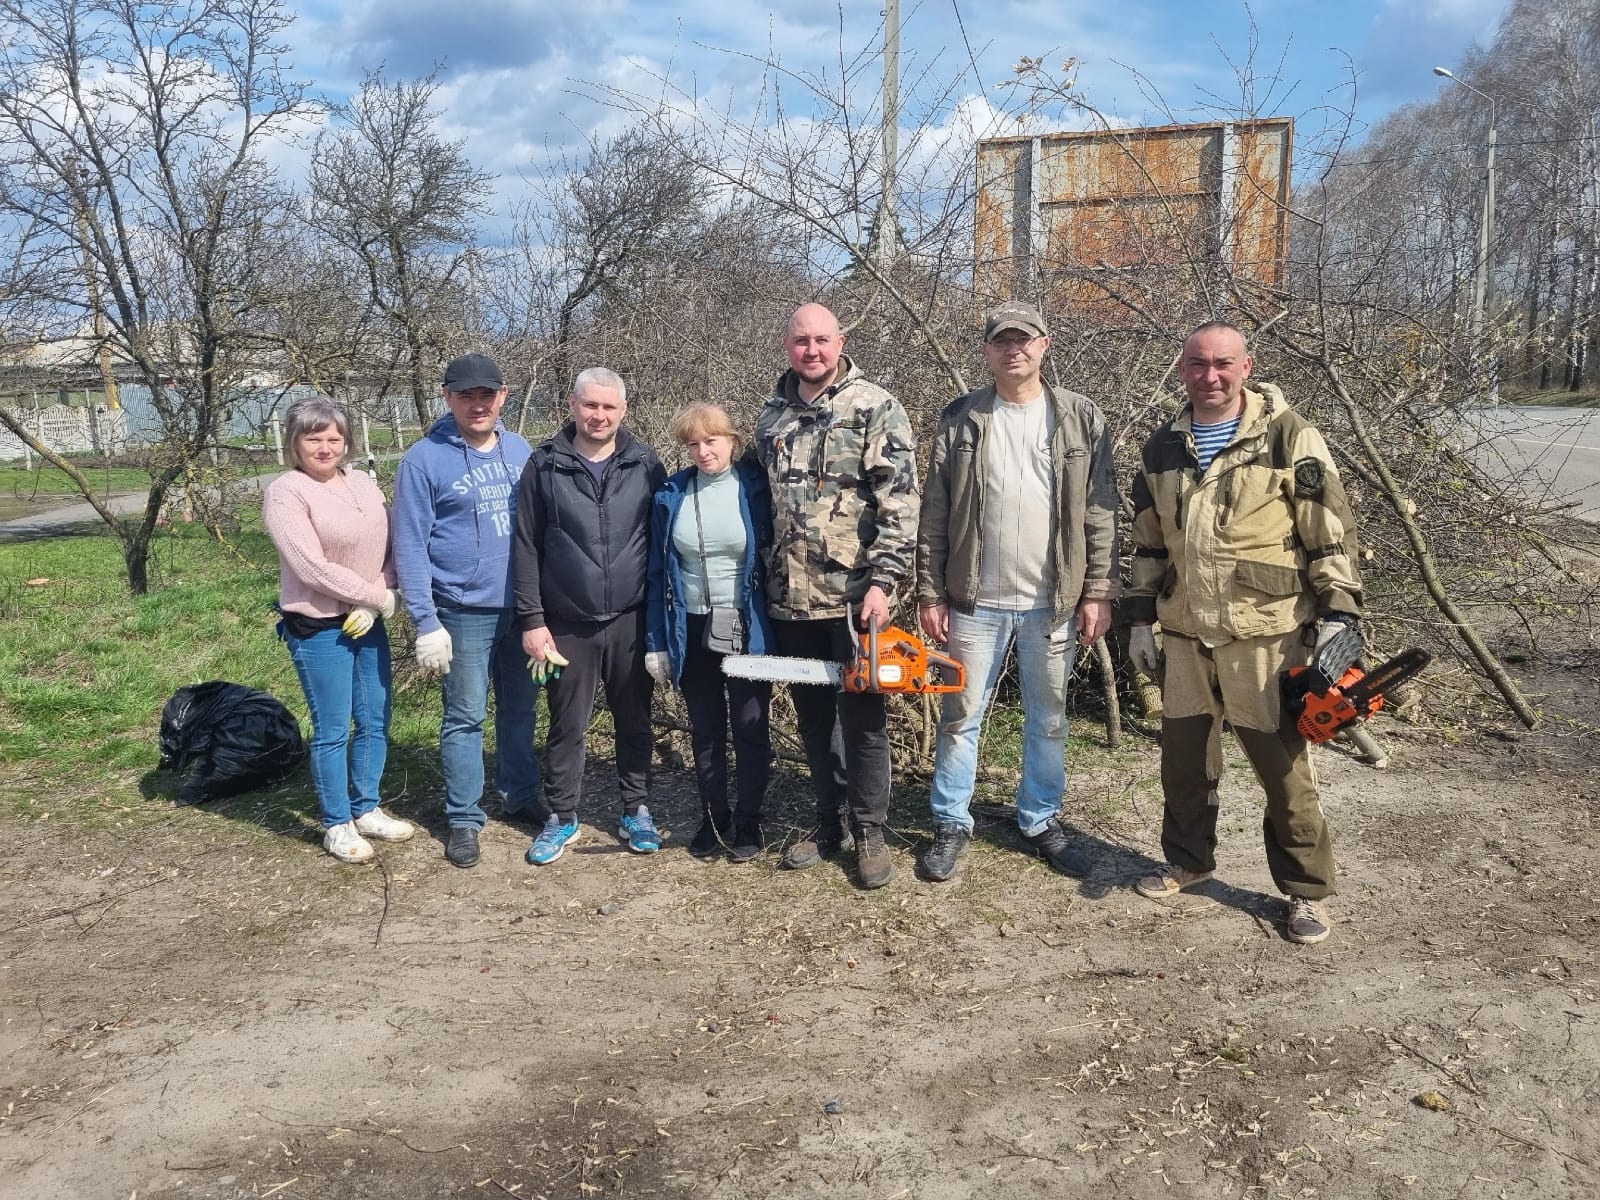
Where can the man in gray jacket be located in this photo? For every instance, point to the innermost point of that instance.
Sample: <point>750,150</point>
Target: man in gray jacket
<point>1017,542</point>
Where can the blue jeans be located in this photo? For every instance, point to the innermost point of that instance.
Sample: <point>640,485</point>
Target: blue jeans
<point>345,679</point>
<point>485,646</point>
<point>1044,661</point>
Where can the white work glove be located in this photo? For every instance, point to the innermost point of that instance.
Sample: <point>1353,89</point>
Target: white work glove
<point>1142,652</point>
<point>659,666</point>
<point>547,669</point>
<point>434,651</point>
<point>391,598</point>
<point>360,621</point>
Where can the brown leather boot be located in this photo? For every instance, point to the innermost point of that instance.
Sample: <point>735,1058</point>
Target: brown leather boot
<point>873,867</point>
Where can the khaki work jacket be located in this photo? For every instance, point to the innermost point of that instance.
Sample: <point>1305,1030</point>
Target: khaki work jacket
<point>1260,544</point>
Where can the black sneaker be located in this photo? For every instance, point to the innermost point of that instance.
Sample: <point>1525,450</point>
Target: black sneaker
<point>747,844</point>
<point>1051,844</point>
<point>462,848</point>
<point>710,838</point>
<point>939,861</point>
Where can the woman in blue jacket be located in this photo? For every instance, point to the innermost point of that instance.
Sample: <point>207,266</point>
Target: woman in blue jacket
<point>710,528</point>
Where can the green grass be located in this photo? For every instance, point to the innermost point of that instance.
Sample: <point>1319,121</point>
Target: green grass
<point>85,668</point>
<point>45,481</point>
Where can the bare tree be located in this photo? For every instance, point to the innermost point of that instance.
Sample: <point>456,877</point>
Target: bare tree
<point>130,138</point>
<point>401,201</point>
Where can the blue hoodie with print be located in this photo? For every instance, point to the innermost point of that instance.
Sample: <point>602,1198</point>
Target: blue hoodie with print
<point>452,521</point>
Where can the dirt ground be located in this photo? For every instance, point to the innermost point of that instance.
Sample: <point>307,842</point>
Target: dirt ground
<point>203,1007</point>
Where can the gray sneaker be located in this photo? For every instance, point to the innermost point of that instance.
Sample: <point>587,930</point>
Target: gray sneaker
<point>940,860</point>
<point>823,842</point>
<point>1309,922</point>
<point>1052,845</point>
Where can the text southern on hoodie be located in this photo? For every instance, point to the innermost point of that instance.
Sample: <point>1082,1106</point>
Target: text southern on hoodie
<point>453,515</point>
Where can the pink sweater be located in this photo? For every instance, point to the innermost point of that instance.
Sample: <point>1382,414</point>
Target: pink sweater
<point>332,540</point>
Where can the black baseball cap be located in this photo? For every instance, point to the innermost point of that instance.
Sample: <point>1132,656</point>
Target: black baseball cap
<point>472,371</point>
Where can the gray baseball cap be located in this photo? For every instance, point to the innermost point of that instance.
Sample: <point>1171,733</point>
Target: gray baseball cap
<point>1015,314</point>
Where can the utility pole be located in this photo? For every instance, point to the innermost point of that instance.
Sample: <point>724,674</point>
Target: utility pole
<point>889,203</point>
<point>1482,301</point>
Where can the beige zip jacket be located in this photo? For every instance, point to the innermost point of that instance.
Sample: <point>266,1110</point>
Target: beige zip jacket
<point>1259,545</point>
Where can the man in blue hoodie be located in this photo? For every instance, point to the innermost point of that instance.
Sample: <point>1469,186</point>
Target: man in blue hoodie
<point>454,502</point>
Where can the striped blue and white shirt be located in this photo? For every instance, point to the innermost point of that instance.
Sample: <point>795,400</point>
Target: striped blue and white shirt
<point>1209,440</point>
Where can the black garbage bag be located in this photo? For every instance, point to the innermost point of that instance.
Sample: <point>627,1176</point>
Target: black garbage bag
<point>228,739</point>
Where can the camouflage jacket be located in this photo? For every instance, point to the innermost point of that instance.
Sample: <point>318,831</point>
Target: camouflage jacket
<point>844,494</point>
<point>1261,543</point>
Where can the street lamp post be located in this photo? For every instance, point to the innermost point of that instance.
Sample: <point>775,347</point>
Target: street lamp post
<point>1480,291</point>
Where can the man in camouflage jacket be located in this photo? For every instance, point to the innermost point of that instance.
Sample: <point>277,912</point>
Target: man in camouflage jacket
<point>841,458</point>
<point>1245,551</point>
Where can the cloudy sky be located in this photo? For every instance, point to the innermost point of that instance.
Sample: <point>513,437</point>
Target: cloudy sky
<point>521,76</point>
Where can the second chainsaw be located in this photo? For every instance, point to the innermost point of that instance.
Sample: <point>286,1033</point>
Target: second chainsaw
<point>882,660</point>
<point>1335,690</point>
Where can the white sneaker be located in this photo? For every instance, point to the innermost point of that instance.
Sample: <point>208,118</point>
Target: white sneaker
<point>345,844</point>
<point>379,824</point>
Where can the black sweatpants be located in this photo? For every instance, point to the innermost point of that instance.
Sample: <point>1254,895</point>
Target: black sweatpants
<point>715,702</point>
<point>609,653</point>
<point>846,734</point>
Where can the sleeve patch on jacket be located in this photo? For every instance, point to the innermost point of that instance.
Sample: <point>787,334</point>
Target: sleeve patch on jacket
<point>1309,474</point>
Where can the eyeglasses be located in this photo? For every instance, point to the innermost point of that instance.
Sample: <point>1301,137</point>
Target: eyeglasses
<point>1012,343</point>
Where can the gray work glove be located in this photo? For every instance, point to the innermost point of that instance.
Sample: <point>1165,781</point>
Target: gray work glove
<point>1142,652</point>
<point>391,598</point>
<point>1329,628</point>
<point>434,651</point>
<point>659,666</point>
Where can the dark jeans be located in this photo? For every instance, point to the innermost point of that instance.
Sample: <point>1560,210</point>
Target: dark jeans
<point>713,701</point>
<point>609,653</point>
<point>846,734</point>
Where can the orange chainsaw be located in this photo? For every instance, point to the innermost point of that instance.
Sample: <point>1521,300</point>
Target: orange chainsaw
<point>1335,690</point>
<point>882,660</point>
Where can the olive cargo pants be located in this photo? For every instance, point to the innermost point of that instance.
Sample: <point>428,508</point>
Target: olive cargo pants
<point>1240,682</point>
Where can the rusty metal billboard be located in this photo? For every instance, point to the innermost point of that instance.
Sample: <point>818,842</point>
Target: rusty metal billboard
<point>1133,218</point>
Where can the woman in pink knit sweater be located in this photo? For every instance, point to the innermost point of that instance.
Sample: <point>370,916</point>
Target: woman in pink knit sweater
<point>336,581</point>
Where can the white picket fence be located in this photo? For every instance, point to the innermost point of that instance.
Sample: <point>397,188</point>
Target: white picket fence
<point>67,430</point>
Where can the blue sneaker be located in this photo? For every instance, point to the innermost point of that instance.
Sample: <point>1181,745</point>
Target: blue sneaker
<point>640,832</point>
<point>552,840</point>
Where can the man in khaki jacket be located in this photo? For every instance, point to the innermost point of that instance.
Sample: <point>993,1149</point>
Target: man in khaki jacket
<point>1245,551</point>
<point>1017,542</point>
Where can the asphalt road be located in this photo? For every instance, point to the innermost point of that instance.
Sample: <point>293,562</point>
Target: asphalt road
<point>1561,445</point>
<point>80,517</point>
